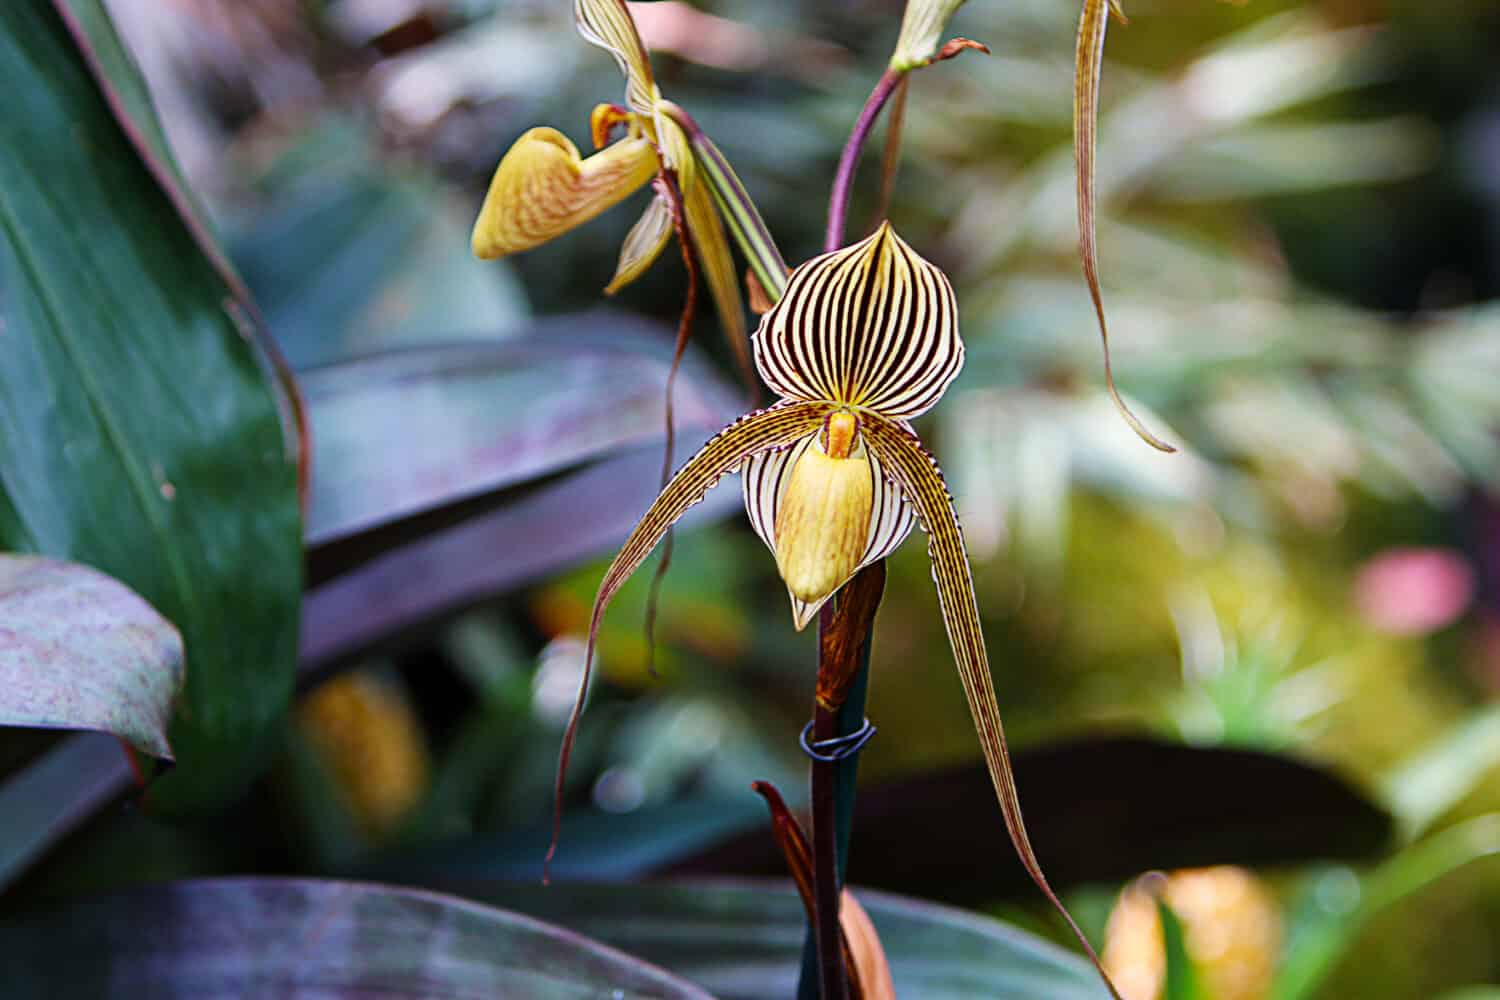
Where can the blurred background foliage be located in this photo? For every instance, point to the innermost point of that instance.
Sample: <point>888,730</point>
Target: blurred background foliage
<point>1300,242</point>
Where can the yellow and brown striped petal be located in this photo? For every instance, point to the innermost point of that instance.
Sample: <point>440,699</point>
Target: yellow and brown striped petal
<point>608,24</point>
<point>718,271</point>
<point>763,430</point>
<point>872,326</point>
<point>543,188</point>
<point>643,244</point>
<point>921,482</point>
<point>1087,68</point>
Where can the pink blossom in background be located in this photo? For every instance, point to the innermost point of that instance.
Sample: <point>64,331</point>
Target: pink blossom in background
<point>1413,591</point>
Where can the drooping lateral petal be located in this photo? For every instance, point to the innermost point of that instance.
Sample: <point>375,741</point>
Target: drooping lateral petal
<point>718,271</point>
<point>608,24</point>
<point>763,430</point>
<point>1088,67</point>
<point>872,326</point>
<point>921,482</point>
<point>643,244</point>
<point>543,188</point>
<point>763,485</point>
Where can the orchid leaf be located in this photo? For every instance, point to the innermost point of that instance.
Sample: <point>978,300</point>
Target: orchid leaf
<point>143,434</point>
<point>306,937</point>
<point>79,650</point>
<point>55,793</point>
<point>544,187</point>
<point>608,24</point>
<point>915,471</point>
<point>1088,67</point>
<point>743,941</point>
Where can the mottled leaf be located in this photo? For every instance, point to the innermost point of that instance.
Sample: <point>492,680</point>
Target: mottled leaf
<point>81,651</point>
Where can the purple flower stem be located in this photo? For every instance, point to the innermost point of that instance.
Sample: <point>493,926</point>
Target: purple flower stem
<point>843,181</point>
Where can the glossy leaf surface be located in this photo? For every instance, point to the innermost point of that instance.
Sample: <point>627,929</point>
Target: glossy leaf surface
<point>141,434</point>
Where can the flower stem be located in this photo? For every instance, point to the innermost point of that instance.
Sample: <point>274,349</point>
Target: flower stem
<point>827,880</point>
<point>839,710</point>
<point>843,181</point>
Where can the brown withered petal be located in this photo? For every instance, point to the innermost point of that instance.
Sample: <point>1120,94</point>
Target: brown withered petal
<point>543,188</point>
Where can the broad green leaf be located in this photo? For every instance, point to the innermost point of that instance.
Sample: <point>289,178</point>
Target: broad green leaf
<point>302,937</point>
<point>141,434</point>
<point>81,651</point>
<point>744,940</point>
<point>1317,947</point>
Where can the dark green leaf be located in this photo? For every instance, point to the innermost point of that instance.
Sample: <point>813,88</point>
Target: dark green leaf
<point>141,434</point>
<point>283,937</point>
<point>80,651</point>
<point>745,939</point>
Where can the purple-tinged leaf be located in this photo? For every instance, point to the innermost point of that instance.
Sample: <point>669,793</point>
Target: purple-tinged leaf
<point>313,939</point>
<point>409,431</point>
<point>79,650</point>
<point>55,793</point>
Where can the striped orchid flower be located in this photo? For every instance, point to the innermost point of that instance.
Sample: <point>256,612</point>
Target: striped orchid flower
<point>544,187</point>
<point>864,340</point>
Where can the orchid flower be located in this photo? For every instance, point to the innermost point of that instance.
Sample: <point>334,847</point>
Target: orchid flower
<point>864,340</point>
<point>545,187</point>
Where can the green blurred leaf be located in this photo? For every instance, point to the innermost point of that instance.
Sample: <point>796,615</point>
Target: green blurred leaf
<point>285,937</point>
<point>80,651</point>
<point>744,940</point>
<point>1439,776</point>
<point>1324,938</point>
<point>347,257</point>
<point>141,434</point>
<point>1473,993</point>
<point>1182,977</point>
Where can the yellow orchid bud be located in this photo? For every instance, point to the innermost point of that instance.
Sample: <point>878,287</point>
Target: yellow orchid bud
<point>824,519</point>
<point>543,188</point>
